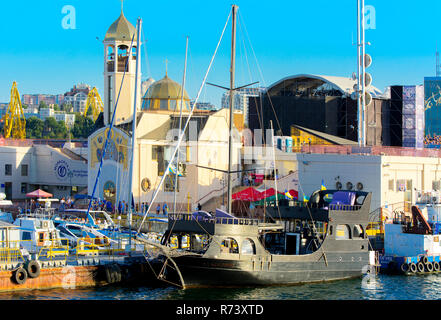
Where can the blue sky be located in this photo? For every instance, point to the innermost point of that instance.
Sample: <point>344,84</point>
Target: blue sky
<point>288,37</point>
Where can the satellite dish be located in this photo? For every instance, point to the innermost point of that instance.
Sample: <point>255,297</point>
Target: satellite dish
<point>2,196</point>
<point>355,87</point>
<point>354,95</point>
<point>367,79</point>
<point>367,60</point>
<point>367,98</point>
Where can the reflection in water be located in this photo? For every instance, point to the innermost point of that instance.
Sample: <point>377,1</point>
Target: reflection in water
<point>382,288</point>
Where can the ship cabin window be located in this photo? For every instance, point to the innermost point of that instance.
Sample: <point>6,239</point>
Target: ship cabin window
<point>358,231</point>
<point>360,200</point>
<point>343,232</point>
<point>27,236</point>
<point>75,230</point>
<point>229,245</point>
<point>275,242</point>
<point>248,247</point>
<point>41,237</point>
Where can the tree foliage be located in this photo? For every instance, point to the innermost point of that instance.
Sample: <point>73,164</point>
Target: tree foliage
<point>83,127</point>
<point>52,129</point>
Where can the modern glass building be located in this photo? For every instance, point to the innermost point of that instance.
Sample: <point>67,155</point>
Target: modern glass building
<point>432,105</point>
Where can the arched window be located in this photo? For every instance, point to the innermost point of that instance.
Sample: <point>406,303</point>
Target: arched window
<point>110,59</point>
<point>109,191</point>
<point>134,53</point>
<point>248,247</point>
<point>229,245</point>
<point>123,58</point>
<point>110,53</point>
<point>343,232</point>
<point>358,231</point>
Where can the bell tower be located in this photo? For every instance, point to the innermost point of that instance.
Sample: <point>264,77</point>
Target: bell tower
<point>118,57</point>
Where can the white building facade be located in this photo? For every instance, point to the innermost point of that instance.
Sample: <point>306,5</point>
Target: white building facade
<point>26,168</point>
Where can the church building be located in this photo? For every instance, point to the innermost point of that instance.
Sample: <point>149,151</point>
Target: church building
<point>158,118</point>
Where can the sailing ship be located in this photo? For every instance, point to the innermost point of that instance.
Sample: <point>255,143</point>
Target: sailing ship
<point>328,242</point>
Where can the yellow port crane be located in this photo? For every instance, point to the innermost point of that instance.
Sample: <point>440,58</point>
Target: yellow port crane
<point>14,121</point>
<point>94,101</point>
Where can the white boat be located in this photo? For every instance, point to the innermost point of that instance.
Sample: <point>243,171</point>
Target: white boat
<point>4,215</point>
<point>38,233</point>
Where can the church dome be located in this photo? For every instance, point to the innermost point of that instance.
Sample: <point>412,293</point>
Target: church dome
<point>165,94</point>
<point>121,30</point>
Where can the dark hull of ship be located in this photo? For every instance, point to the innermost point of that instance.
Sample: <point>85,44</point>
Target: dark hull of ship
<point>208,272</point>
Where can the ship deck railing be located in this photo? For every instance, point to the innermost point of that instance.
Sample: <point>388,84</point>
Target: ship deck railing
<point>213,220</point>
<point>10,252</point>
<point>304,204</point>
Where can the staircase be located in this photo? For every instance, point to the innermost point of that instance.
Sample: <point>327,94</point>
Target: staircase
<point>216,202</point>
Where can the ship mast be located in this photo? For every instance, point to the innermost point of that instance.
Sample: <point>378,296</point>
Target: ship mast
<point>135,108</point>
<point>232,74</point>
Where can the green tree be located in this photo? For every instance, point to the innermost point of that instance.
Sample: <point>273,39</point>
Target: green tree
<point>42,105</point>
<point>34,128</point>
<point>54,129</point>
<point>83,127</point>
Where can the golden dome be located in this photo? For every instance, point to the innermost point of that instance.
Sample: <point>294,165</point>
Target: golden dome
<point>121,30</point>
<point>165,94</point>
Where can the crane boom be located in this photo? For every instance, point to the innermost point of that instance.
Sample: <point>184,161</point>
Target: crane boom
<point>14,122</point>
<point>95,103</point>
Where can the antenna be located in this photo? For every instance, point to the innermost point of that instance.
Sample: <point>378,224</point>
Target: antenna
<point>438,67</point>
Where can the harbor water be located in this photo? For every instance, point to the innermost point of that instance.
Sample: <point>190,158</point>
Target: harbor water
<point>382,287</point>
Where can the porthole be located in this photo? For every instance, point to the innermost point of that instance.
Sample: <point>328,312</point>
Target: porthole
<point>349,186</point>
<point>145,184</point>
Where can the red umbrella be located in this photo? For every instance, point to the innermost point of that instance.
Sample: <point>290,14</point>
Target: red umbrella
<point>39,194</point>
<point>249,194</point>
<point>269,193</point>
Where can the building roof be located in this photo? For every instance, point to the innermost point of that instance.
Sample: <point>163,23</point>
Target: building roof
<point>328,137</point>
<point>310,81</point>
<point>165,94</point>
<point>4,224</point>
<point>121,30</point>
<point>165,88</point>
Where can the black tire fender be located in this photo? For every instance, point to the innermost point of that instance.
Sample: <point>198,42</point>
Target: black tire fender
<point>20,276</point>
<point>108,273</point>
<point>32,268</point>
<point>405,267</point>
<point>429,266</point>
